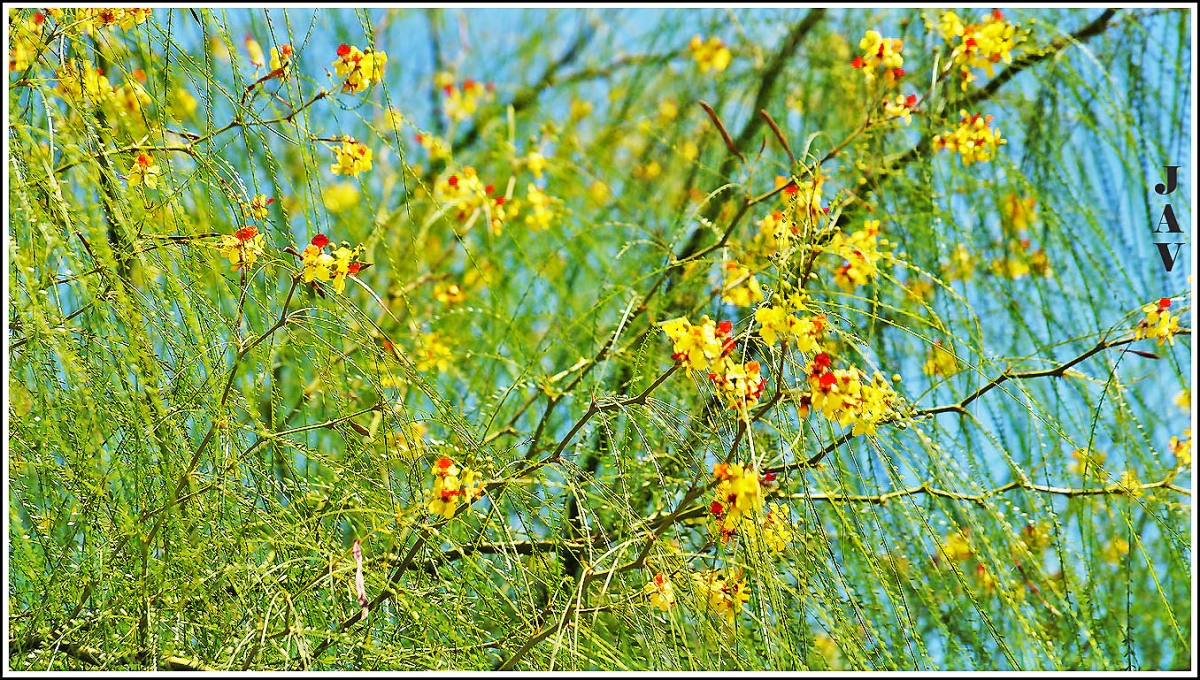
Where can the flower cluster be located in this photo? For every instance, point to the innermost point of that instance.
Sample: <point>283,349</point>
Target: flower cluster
<point>281,60</point>
<point>803,200</point>
<point>143,171</point>
<point>466,192</point>
<point>434,353</point>
<point>710,55</point>
<point>775,233</point>
<point>722,595</point>
<point>449,293</point>
<point>1021,260</point>
<point>80,82</point>
<point>703,347</point>
<point>258,206</point>
<point>860,252</point>
<point>451,487</point>
<point>25,41</point>
<point>738,496</point>
<point>981,45</point>
<point>939,360</point>
<point>351,158</point>
<point>740,288</point>
<point>1158,322</point>
<point>900,107</point>
<point>974,139</point>
<point>462,101</point>
<point>773,528</point>
<point>845,396</point>
<point>779,322</point>
<point>334,267</point>
<point>880,52</point>
<point>661,592</point>
<point>541,213</point>
<point>358,69</point>
<point>741,384</point>
<point>242,247</point>
<point>1182,448</point>
<point>88,19</point>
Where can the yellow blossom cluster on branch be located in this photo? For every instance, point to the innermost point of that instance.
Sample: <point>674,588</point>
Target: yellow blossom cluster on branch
<point>981,45</point>
<point>860,252</point>
<point>880,52</point>
<point>974,139</point>
<point>242,247</point>
<point>334,267</point>
<point>452,487</point>
<point>722,595</point>
<point>462,101</point>
<point>351,158</point>
<point>358,69</point>
<point>847,397</point>
<point>711,54</point>
<point>1158,323</point>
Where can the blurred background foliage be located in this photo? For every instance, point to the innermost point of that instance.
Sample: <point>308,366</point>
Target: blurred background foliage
<point>194,452</point>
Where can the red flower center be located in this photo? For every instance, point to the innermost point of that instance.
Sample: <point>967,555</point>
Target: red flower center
<point>343,50</point>
<point>246,233</point>
<point>320,240</point>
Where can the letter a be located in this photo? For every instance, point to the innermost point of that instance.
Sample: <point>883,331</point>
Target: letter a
<point>1168,216</point>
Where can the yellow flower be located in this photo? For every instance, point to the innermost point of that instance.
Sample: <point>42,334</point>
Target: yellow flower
<point>78,81</point>
<point>255,53</point>
<point>721,595</point>
<point>956,546</point>
<point>242,247</point>
<point>449,293</point>
<point>974,139</point>
<point>939,360</point>
<point>712,55</point>
<point>880,52</point>
<point>258,206</point>
<point>281,60</point>
<point>351,159</point>
<point>774,528</point>
<point>1158,323</point>
<point>541,214</point>
<point>1184,400</point>
<point>741,384</point>
<point>358,69</point>
<point>536,163</point>
<point>433,354</point>
<point>741,288</point>
<point>844,397</point>
<point>25,41</point>
<point>661,592</point>
<point>701,347</point>
<point>860,252</point>
<point>900,107</point>
<point>777,322</point>
<point>409,442</point>
<point>452,487</point>
<point>340,197</point>
<point>1018,212</point>
<point>1115,550</point>
<point>144,171</point>
<point>334,267</point>
<point>981,45</point>
<point>962,264</point>
<point>1182,448</point>
<point>461,103</point>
